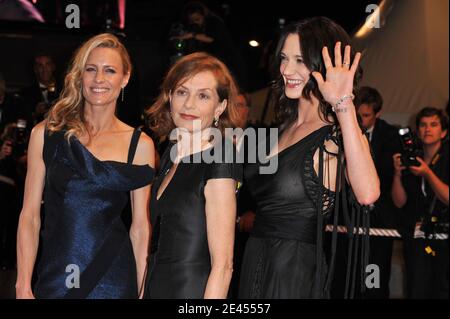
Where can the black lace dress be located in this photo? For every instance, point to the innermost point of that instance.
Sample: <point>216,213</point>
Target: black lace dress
<point>281,257</point>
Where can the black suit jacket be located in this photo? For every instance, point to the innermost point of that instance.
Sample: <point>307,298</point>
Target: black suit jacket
<point>385,143</point>
<point>32,95</point>
<point>10,111</point>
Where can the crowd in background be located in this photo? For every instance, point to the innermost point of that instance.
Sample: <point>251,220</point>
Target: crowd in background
<point>411,200</point>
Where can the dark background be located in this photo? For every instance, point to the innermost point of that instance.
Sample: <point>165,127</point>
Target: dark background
<point>146,33</point>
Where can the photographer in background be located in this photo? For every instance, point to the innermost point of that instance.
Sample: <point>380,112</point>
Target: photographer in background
<point>9,204</point>
<point>201,30</point>
<point>384,142</point>
<point>9,106</point>
<point>38,98</point>
<point>19,135</point>
<point>422,192</point>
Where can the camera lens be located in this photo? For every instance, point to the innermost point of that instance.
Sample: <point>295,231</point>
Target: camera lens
<point>403,131</point>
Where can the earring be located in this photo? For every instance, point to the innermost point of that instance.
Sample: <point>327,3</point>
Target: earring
<point>123,92</point>
<point>216,122</point>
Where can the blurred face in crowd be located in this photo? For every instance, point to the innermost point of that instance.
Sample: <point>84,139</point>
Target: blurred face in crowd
<point>44,69</point>
<point>196,100</point>
<point>6,149</point>
<point>103,77</point>
<point>368,115</point>
<point>430,130</point>
<point>196,18</point>
<point>292,68</point>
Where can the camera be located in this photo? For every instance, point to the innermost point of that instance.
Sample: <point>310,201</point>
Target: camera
<point>177,45</point>
<point>409,148</point>
<point>194,28</point>
<point>435,223</point>
<point>20,138</point>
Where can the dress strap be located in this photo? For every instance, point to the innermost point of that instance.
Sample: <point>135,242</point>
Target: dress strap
<point>133,145</point>
<point>51,142</point>
<point>100,264</point>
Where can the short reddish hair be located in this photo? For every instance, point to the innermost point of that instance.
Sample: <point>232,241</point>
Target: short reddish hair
<point>185,68</point>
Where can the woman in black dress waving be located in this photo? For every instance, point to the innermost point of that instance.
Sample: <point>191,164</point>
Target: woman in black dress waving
<point>193,202</point>
<point>283,257</point>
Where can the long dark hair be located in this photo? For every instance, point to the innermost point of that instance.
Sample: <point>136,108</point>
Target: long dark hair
<point>314,34</point>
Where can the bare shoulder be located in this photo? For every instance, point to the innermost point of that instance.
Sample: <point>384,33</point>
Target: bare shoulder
<point>37,133</point>
<point>36,142</point>
<point>39,128</point>
<point>145,142</point>
<point>124,127</point>
<point>145,151</point>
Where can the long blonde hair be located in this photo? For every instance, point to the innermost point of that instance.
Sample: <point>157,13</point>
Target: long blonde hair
<point>68,112</point>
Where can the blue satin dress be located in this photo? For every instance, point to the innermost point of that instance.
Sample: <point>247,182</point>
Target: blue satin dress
<point>82,230</point>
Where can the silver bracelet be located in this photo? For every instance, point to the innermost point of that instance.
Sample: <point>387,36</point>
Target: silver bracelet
<point>335,108</point>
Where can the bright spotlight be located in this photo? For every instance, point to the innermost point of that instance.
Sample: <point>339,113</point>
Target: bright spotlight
<point>253,43</point>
